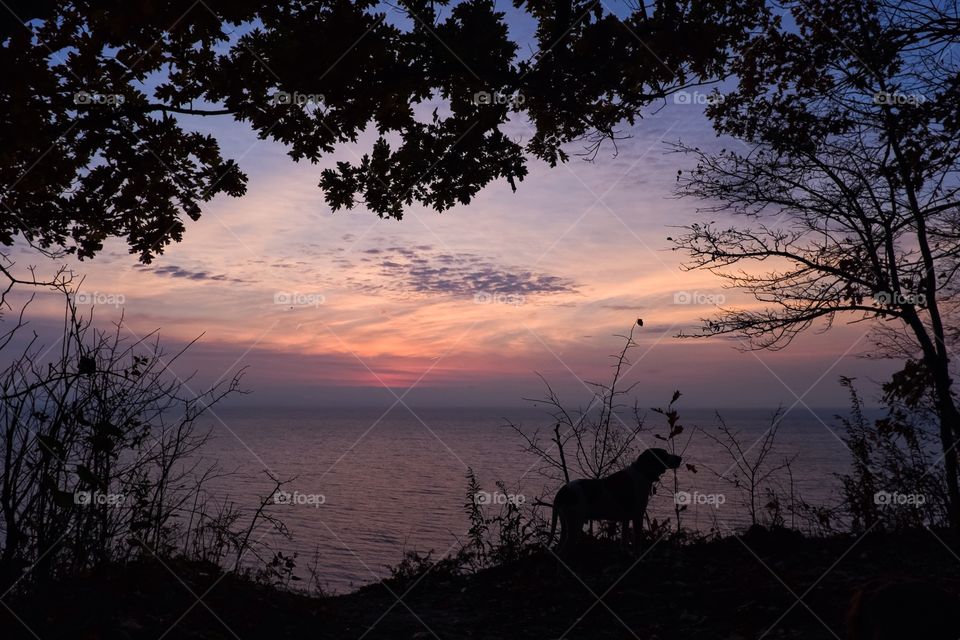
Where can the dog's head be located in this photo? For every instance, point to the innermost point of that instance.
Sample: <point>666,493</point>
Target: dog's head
<point>654,462</point>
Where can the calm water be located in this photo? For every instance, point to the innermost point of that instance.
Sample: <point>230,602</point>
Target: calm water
<point>399,483</point>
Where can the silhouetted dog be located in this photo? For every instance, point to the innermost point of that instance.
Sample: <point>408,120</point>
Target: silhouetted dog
<point>621,497</point>
<point>902,610</point>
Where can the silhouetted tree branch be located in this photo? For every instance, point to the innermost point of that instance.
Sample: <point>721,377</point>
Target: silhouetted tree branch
<point>846,203</point>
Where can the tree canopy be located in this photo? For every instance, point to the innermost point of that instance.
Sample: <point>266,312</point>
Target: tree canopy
<point>97,100</point>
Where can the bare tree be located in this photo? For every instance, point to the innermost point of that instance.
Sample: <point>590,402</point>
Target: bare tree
<point>591,441</point>
<point>847,195</point>
<point>752,473</point>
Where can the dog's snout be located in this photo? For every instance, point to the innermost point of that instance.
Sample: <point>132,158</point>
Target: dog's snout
<point>674,461</point>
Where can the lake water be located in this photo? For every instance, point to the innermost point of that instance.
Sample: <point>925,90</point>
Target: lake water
<point>396,482</point>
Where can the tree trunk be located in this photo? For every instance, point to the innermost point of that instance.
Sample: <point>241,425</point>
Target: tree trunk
<point>949,432</point>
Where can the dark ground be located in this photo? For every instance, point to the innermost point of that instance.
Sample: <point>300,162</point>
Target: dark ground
<point>733,588</point>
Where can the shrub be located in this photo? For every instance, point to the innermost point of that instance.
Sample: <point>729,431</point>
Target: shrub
<point>892,457</point>
<point>101,463</point>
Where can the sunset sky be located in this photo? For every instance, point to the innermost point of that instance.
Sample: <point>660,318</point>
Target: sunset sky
<point>465,307</point>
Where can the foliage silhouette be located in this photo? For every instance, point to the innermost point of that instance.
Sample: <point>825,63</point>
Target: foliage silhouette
<point>100,101</point>
<point>843,202</point>
<point>103,461</point>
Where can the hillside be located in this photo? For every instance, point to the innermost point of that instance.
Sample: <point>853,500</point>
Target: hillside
<point>722,589</point>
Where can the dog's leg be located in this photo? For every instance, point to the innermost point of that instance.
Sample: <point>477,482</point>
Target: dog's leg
<point>625,537</point>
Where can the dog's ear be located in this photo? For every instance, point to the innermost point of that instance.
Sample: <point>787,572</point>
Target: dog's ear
<point>654,461</point>
<point>643,460</point>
